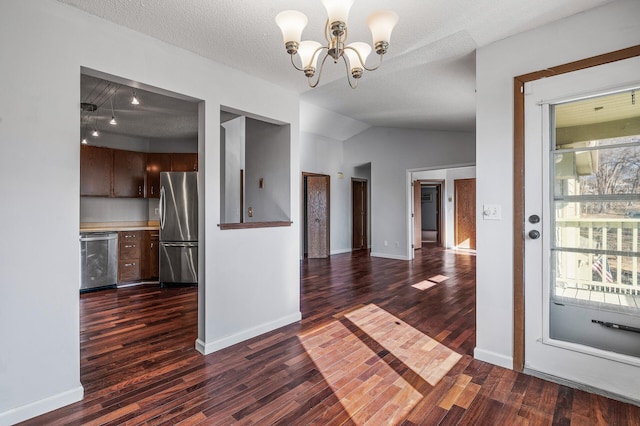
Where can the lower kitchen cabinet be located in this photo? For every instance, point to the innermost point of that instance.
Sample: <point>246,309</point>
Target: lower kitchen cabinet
<point>138,255</point>
<point>129,255</point>
<point>151,261</point>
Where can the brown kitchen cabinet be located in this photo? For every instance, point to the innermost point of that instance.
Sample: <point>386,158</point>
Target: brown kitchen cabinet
<point>96,171</point>
<point>129,170</point>
<point>156,163</point>
<point>184,162</point>
<point>151,255</point>
<point>129,256</point>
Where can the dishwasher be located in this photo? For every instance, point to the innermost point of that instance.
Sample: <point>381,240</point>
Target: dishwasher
<point>98,260</point>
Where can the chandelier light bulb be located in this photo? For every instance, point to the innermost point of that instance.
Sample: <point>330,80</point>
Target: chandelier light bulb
<point>338,10</point>
<point>306,51</point>
<point>363,49</point>
<point>381,24</point>
<point>291,23</point>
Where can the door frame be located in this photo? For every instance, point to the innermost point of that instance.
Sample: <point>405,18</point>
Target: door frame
<point>518,181</point>
<point>304,199</point>
<point>366,211</point>
<point>442,218</point>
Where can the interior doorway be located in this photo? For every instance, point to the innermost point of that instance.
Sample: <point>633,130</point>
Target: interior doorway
<point>428,215</point>
<point>316,196</point>
<point>359,203</point>
<point>465,213</point>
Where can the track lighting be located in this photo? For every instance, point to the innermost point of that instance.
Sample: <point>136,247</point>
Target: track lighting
<point>95,133</point>
<point>84,141</point>
<point>113,121</point>
<point>134,99</point>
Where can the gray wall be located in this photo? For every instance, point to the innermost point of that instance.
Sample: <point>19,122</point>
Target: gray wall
<point>429,209</point>
<point>267,157</point>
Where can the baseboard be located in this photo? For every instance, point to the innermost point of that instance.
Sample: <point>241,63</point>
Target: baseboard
<point>389,256</point>
<point>42,406</point>
<point>340,251</point>
<point>207,348</point>
<point>581,386</point>
<point>493,358</point>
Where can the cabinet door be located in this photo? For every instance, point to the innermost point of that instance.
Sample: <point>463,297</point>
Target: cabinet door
<point>129,169</point>
<point>96,170</point>
<point>184,162</point>
<point>156,163</point>
<point>150,263</point>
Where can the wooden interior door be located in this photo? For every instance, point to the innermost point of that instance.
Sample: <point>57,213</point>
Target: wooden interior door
<point>465,213</point>
<point>359,240</point>
<point>417,215</point>
<point>318,216</point>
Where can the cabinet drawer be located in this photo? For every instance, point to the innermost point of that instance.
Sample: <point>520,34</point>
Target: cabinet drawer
<point>129,250</point>
<point>129,270</point>
<point>127,236</point>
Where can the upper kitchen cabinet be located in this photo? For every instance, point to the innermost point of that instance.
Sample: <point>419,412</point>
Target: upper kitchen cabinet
<point>184,162</point>
<point>156,163</point>
<point>96,171</point>
<point>129,169</point>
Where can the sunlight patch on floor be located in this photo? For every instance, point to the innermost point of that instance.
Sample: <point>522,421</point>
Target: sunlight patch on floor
<point>367,379</point>
<point>423,285</point>
<point>438,278</point>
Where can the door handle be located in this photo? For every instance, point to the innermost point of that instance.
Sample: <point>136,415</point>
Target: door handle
<point>534,234</point>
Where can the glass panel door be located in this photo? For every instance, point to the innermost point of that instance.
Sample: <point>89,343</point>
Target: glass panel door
<point>595,200</point>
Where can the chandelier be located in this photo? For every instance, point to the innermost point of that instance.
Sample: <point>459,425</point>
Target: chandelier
<point>354,55</point>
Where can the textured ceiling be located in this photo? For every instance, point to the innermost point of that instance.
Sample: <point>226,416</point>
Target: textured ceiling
<point>427,80</point>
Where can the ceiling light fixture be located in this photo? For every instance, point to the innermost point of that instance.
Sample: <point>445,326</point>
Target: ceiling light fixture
<point>84,141</point>
<point>134,99</point>
<point>292,22</point>
<point>95,133</point>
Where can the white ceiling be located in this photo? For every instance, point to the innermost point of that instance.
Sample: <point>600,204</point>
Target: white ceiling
<point>427,80</point>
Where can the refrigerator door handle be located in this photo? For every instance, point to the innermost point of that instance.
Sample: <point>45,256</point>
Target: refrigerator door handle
<point>179,244</point>
<point>162,207</point>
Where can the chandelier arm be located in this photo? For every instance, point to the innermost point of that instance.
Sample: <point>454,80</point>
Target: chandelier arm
<point>314,85</point>
<point>374,68</point>
<point>327,31</point>
<point>294,64</point>
<point>346,65</point>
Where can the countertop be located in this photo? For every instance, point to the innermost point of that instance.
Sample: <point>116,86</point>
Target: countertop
<point>152,225</point>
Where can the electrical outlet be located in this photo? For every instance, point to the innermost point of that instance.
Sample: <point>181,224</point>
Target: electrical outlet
<point>491,212</point>
<point>156,211</point>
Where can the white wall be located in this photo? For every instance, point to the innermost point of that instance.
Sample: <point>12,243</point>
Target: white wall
<point>392,153</point>
<point>448,176</point>
<point>611,27</point>
<point>233,149</point>
<point>39,166</point>
<point>323,155</point>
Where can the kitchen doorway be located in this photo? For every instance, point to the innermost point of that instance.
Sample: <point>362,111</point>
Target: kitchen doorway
<point>163,132</point>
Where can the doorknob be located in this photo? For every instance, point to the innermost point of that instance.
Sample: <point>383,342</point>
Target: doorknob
<point>534,234</point>
<point>534,218</point>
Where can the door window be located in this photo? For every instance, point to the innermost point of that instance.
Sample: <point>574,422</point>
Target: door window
<point>595,167</point>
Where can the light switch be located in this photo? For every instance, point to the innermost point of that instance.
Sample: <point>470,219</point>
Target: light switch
<point>491,212</point>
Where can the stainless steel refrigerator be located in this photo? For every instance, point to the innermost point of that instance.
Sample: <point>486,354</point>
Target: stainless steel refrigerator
<point>178,228</point>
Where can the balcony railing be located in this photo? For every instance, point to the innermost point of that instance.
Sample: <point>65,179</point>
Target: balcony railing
<point>597,260</point>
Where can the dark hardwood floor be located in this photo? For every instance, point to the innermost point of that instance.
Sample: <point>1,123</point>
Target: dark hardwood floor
<point>381,342</point>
